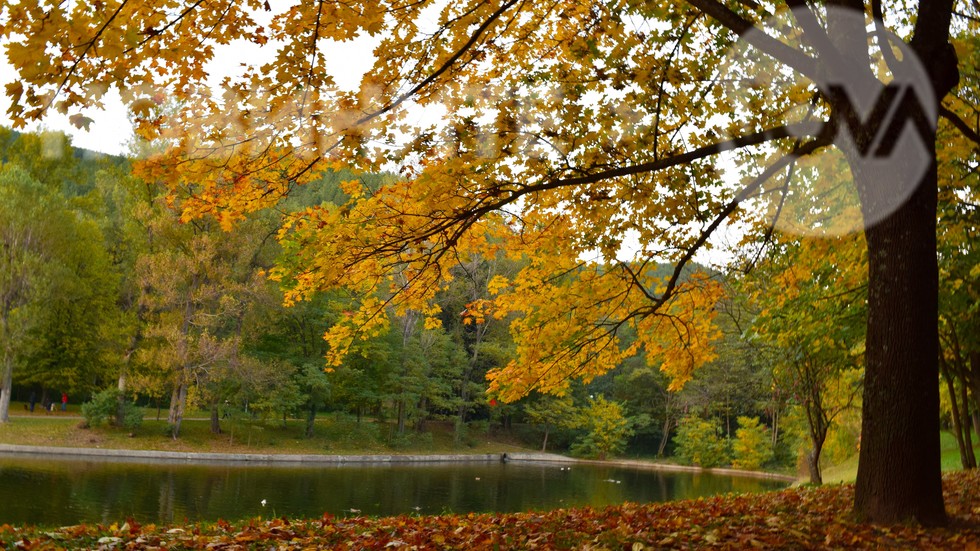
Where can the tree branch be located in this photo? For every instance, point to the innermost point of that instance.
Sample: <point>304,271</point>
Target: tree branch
<point>445,66</point>
<point>88,47</point>
<point>960,125</point>
<point>744,194</point>
<point>793,59</point>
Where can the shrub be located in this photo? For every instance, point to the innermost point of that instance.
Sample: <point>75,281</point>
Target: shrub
<point>699,442</point>
<point>607,429</point>
<point>103,408</point>
<point>752,445</point>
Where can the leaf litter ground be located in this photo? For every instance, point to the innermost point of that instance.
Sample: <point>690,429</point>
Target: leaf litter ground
<point>797,518</point>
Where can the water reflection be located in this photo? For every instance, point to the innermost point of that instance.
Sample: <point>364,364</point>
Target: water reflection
<point>73,490</point>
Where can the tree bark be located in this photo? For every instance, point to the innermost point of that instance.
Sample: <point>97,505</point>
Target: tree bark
<point>5,388</point>
<point>813,465</point>
<point>668,424</point>
<point>899,474</point>
<point>310,419</point>
<point>215,419</point>
<point>819,424</point>
<point>957,422</point>
<point>121,398</point>
<point>401,416</point>
<point>975,389</point>
<point>971,458</point>
<point>178,401</point>
<point>899,471</point>
<point>6,382</point>
<point>172,413</point>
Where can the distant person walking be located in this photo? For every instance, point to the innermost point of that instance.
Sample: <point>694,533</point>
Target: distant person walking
<point>64,401</point>
<point>33,399</point>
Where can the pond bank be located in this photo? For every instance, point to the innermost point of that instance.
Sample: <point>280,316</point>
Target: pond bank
<point>191,457</point>
<point>314,459</point>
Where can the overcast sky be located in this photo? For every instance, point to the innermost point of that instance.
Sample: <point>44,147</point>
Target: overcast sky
<point>111,131</point>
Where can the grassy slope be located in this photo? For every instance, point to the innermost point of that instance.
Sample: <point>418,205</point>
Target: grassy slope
<point>332,435</point>
<point>847,471</point>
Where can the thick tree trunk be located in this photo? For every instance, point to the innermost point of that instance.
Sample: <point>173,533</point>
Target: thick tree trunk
<point>899,475</point>
<point>813,466</point>
<point>178,401</point>
<point>172,413</point>
<point>544,443</point>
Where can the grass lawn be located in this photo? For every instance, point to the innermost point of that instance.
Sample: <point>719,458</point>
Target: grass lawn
<point>847,471</point>
<point>333,434</point>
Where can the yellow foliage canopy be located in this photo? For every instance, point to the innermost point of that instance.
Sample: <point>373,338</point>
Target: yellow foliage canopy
<point>579,137</point>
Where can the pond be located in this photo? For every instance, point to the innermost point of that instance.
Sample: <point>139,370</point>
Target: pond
<point>72,490</point>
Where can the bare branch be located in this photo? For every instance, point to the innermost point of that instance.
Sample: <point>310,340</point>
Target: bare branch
<point>794,59</point>
<point>960,125</point>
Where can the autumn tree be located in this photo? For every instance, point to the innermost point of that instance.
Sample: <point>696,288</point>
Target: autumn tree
<point>700,442</point>
<point>606,429</point>
<point>813,329</point>
<point>959,213</point>
<point>195,284</point>
<point>751,447</point>
<point>577,127</point>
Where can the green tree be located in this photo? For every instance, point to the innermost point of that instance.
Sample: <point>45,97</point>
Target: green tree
<point>75,337</point>
<point>607,430</point>
<point>550,413</point>
<point>30,217</point>
<point>752,446</point>
<point>57,279</point>
<point>813,329</point>
<point>277,335</point>
<point>119,199</point>
<point>698,441</point>
<point>483,338</point>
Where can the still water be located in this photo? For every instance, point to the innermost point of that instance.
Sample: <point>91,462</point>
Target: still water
<point>66,491</point>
